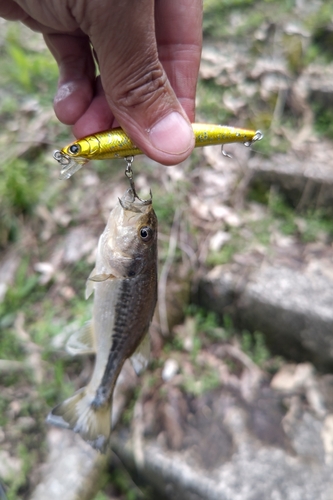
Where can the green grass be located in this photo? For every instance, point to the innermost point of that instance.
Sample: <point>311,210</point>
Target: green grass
<point>21,185</point>
<point>165,206</point>
<point>124,486</point>
<point>317,222</point>
<point>25,285</point>
<point>56,387</point>
<point>254,346</point>
<point>319,18</point>
<point>281,217</point>
<point>323,119</point>
<point>313,221</point>
<point>208,324</point>
<point>4,404</point>
<point>238,22</point>
<point>20,190</point>
<point>210,104</point>
<point>226,253</point>
<point>207,380</point>
<point>27,73</point>
<point>119,484</point>
<point>216,18</point>
<point>26,70</point>
<point>235,18</point>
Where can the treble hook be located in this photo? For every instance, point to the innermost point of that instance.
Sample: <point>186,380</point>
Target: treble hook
<point>257,137</point>
<point>129,174</point>
<point>227,155</point>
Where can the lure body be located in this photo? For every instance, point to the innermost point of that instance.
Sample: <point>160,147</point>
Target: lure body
<point>115,143</point>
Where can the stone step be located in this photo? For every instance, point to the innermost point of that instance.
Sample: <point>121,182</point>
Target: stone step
<point>276,444</point>
<point>68,452</point>
<point>292,308</point>
<point>306,178</point>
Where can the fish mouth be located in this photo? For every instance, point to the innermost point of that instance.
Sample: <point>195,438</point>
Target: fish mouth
<point>131,201</point>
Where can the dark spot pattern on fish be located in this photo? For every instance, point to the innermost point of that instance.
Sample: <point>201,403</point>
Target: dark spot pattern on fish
<point>115,359</point>
<point>127,332</point>
<point>128,268</point>
<point>134,267</point>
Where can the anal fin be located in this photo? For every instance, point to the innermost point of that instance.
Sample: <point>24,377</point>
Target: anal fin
<point>82,341</point>
<point>140,358</point>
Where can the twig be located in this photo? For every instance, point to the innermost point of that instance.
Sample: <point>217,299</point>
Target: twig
<point>34,360</point>
<point>137,434</point>
<point>9,366</point>
<point>252,377</point>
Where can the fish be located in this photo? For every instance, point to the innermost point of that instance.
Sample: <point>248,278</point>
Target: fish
<point>115,143</point>
<point>124,283</point>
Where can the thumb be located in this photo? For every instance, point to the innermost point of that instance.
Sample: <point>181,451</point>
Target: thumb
<point>135,84</point>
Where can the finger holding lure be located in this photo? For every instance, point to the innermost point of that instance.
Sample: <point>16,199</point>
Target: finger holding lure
<point>115,143</point>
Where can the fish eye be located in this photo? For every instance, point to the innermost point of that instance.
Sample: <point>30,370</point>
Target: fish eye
<point>146,233</point>
<point>74,149</point>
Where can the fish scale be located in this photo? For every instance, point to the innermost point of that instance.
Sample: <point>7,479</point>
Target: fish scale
<point>124,323</point>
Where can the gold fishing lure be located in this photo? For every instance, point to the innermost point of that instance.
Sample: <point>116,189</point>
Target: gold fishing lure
<point>115,143</point>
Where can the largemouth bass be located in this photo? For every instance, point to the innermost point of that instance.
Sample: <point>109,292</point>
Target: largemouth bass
<point>115,143</point>
<point>124,282</point>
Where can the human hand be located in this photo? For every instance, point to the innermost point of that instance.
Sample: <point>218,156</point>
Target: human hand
<point>148,54</point>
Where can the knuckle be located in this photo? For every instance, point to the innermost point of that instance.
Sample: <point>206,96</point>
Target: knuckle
<point>142,87</point>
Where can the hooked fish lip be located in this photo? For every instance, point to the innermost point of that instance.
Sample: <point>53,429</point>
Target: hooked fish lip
<point>130,201</point>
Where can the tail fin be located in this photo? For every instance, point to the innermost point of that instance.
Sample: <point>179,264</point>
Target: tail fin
<point>77,413</point>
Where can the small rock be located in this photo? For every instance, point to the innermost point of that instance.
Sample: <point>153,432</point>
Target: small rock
<point>170,369</point>
<point>26,423</point>
<point>292,308</point>
<point>46,270</point>
<point>327,437</point>
<point>72,470</point>
<point>78,243</point>
<point>218,240</point>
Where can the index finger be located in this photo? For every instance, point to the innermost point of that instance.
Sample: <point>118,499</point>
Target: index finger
<point>179,43</point>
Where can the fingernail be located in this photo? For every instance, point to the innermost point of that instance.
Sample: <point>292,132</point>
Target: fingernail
<point>172,134</point>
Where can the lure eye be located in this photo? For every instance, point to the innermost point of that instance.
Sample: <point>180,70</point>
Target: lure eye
<point>74,149</point>
<point>146,233</point>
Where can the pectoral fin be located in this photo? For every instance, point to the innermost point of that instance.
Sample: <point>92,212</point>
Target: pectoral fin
<point>90,284</point>
<point>95,278</point>
<point>140,358</point>
<point>101,277</point>
<point>82,342</point>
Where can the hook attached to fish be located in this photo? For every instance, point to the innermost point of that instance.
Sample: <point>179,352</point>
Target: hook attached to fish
<point>115,143</point>
<point>130,176</point>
